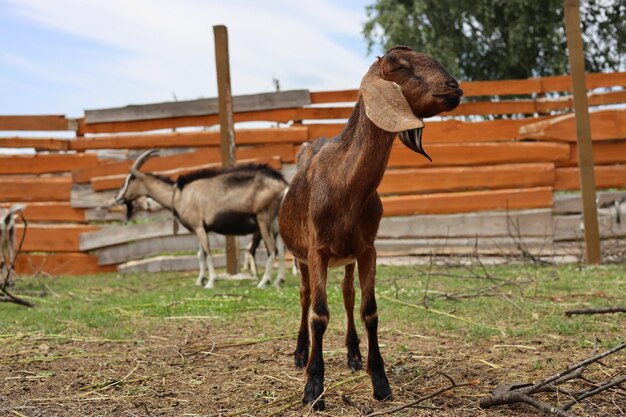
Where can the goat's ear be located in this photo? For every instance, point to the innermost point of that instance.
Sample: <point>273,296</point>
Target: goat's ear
<point>386,106</point>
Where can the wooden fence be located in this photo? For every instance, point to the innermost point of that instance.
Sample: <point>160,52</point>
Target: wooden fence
<point>504,157</point>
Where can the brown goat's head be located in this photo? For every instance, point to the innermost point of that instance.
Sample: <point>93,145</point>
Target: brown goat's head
<point>134,186</point>
<point>403,87</point>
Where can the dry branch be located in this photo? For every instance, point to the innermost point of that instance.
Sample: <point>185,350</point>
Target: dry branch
<point>600,310</point>
<point>512,393</point>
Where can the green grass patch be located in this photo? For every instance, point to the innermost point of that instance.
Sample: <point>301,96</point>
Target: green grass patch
<point>516,301</point>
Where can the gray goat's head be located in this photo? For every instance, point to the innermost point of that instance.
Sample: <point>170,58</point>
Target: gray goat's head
<point>133,186</point>
<point>7,232</point>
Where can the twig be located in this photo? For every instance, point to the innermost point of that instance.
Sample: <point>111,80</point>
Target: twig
<point>600,310</point>
<point>453,385</point>
<point>516,392</point>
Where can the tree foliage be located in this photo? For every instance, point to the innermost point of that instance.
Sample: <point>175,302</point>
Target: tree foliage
<point>499,39</point>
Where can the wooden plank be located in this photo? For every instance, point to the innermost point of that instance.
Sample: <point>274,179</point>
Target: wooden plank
<point>200,157</point>
<point>489,153</point>
<point>158,246</point>
<point>464,202</point>
<point>567,228</point>
<point>51,212</point>
<point>194,139</point>
<point>605,125</point>
<point>82,196</point>
<point>498,88</point>
<point>43,144</point>
<point>52,238</point>
<point>200,107</point>
<point>44,164</point>
<point>404,181</point>
<point>168,263</point>
<point>572,203</point>
<point>338,96</point>
<point>60,264</point>
<point>606,176</point>
<point>118,214</point>
<point>527,223</point>
<point>117,235</point>
<point>28,189</point>
<point>604,153</point>
<point>35,123</point>
<point>116,181</point>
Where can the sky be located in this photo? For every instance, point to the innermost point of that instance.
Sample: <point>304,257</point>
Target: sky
<point>65,56</point>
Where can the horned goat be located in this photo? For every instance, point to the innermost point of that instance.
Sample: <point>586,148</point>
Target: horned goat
<point>231,201</point>
<point>331,213</point>
<point>7,242</point>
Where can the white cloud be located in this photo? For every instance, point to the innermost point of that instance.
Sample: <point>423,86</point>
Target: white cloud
<point>163,47</point>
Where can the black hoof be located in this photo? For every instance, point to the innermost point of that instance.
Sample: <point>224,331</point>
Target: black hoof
<point>300,358</point>
<point>382,391</point>
<point>312,391</point>
<point>354,361</point>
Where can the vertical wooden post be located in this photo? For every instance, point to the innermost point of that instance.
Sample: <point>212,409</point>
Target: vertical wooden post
<point>583,130</point>
<point>227,128</point>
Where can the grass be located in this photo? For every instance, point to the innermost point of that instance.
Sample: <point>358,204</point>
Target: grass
<point>529,304</point>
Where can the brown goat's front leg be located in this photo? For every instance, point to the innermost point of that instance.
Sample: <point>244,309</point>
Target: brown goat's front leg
<point>318,265</point>
<point>369,316</point>
<point>352,339</point>
<point>301,355</point>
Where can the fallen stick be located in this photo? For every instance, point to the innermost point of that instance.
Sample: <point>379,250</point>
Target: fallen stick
<point>600,310</point>
<point>506,394</point>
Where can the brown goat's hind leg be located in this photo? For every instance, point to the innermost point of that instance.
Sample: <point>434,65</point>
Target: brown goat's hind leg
<point>301,355</point>
<point>352,339</point>
<point>314,387</point>
<point>369,316</point>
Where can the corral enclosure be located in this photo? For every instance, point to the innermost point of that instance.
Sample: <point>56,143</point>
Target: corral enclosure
<point>503,164</point>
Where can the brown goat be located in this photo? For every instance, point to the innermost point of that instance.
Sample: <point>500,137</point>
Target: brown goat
<point>331,213</point>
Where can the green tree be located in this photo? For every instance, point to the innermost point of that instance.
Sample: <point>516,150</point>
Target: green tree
<point>499,39</point>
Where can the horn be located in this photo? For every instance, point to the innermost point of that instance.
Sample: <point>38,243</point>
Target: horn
<point>141,159</point>
<point>385,105</point>
<point>16,207</point>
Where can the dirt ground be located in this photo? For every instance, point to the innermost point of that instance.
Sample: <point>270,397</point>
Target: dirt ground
<point>190,368</point>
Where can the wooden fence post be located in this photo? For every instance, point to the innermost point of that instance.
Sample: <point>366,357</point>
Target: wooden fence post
<point>227,129</point>
<point>583,130</point>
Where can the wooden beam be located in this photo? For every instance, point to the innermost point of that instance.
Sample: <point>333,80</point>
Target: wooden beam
<point>116,235</point>
<point>404,181</point>
<point>52,238</point>
<point>227,126</point>
<point>116,181</point>
<point>464,202</point>
<point>488,153</point>
<point>200,157</point>
<point>43,144</point>
<point>59,264</point>
<point>193,139</point>
<point>606,176</point>
<point>604,153</point>
<point>200,107</point>
<point>583,130</point>
<point>45,164</point>
<point>36,123</point>
<point>561,83</point>
<point>28,189</point>
<point>51,212</point>
<point>605,125</point>
<point>528,223</point>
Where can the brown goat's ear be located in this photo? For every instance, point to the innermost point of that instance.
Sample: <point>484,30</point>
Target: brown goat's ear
<point>386,106</point>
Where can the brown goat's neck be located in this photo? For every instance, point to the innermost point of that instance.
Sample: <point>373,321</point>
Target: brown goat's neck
<point>160,191</point>
<point>364,150</point>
